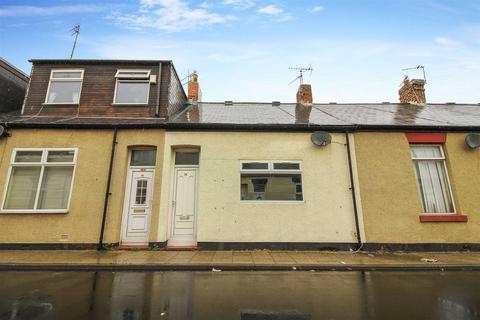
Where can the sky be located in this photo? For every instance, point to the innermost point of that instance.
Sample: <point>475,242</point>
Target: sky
<point>243,49</point>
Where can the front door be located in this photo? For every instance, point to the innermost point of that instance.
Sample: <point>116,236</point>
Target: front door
<point>138,207</point>
<point>184,207</point>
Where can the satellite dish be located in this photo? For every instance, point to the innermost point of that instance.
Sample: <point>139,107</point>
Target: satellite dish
<point>473,140</point>
<point>321,138</point>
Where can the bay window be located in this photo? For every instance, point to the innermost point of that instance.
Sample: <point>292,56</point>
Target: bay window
<point>271,181</point>
<point>64,86</point>
<point>432,178</point>
<point>40,180</point>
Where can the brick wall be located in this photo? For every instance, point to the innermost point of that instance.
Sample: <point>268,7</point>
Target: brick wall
<point>412,91</point>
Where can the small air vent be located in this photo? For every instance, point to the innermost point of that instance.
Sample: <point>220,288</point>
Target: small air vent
<point>229,103</point>
<point>332,103</point>
<point>275,103</point>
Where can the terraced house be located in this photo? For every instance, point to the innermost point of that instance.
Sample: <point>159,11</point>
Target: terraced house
<point>115,153</point>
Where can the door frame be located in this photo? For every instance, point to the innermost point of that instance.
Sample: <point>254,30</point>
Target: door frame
<point>171,238</point>
<point>126,203</point>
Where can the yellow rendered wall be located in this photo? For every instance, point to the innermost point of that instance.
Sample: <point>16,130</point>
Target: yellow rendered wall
<point>126,139</point>
<point>82,223</point>
<point>326,215</point>
<point>389,196</point>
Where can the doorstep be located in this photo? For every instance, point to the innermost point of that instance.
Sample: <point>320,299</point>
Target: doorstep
<point>180,248</point>
<point>133,247</point>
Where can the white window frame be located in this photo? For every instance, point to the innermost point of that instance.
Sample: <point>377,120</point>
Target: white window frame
<point>43,163</point>
<point>449,185</point>
<point>277,171</point>
<point>64,80</point>
<point>146,71</point>
<point>130,154</point>
<point>139,78</point>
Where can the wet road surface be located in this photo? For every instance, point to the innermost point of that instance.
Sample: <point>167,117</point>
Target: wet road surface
<point>239,295</point>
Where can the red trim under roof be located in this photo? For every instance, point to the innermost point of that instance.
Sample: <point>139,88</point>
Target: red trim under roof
<point>426,137</point>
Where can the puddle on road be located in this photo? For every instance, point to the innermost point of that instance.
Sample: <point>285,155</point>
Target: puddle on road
<point>239,295</point>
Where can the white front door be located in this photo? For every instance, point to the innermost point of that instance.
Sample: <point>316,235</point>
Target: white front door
<point>184,207</point>
<point>138,207</point>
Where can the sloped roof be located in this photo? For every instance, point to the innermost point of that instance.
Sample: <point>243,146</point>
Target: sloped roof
<point>387,114</point>
<point>289,116</point>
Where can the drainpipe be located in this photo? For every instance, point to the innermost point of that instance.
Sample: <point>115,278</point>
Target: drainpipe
<point>354,197</point>
<point>159,82</point>
<point>107,192</point>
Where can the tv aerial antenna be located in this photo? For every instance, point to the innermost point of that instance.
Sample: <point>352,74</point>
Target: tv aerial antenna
<point>75,32</point>
<point>301,71</point>
<point>417,68</point>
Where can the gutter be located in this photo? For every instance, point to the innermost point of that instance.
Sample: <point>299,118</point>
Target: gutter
<point>107,192</point>
<point>354,196</point>
<point>245,127</point>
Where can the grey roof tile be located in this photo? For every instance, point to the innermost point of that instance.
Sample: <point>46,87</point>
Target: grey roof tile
<point>266,115</point>
<point>333,114</point>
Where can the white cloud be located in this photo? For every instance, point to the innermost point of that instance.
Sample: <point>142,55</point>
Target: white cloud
<point>244,4</point>
<point>275,11</point>
<point>23,11</point>
<point>170,15</point>
<point>446,42</point>
<point>317,9</point>
<point>205,5</point>
<point>271,9</point>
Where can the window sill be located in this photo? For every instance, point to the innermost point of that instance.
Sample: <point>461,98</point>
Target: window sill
<point>60,104</point>
<point>443,218</point>
<point>22,212</point>
<point>130,104</point>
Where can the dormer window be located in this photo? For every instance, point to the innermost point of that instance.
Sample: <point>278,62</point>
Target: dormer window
<point>132,87</point>
<point>64,86</point>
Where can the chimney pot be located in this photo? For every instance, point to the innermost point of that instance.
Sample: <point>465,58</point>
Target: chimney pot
<point>412,91</point>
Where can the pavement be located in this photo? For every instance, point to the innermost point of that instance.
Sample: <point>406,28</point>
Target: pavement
<point>235,260</point>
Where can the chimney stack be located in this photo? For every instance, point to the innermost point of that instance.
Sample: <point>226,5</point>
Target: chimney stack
<point>304,94</point>
<point>304,104</point>
<point>194,92</point>
<point>412,91</point>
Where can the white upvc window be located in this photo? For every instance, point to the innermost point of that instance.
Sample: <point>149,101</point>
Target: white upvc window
<point>132,87</point>
<point>40,180</point>
<point>65,86</point>
<point>432,178</point>
<point>271,180</point>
